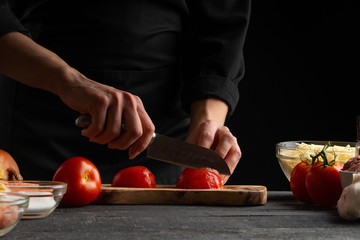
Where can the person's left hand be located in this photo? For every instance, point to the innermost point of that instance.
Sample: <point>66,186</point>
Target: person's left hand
<point>210,134</point>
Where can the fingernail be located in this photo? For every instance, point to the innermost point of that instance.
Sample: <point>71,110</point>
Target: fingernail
<point>133,155</point>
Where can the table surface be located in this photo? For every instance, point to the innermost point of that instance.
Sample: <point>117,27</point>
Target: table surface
<point>282,217</point>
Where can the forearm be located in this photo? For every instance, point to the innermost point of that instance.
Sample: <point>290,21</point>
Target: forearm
<point>207,109</point>
<point>29,63</point>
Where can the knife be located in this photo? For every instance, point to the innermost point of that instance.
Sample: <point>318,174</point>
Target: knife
<point>175,151</point>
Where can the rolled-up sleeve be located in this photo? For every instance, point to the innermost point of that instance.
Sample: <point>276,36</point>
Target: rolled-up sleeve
<point>213,62</point>
<point>9,22</point>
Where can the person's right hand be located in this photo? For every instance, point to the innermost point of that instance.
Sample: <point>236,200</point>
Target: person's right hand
<point>26,61</point>
<point>109,108</point>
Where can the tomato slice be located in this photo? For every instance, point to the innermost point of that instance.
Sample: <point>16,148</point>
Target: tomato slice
<point>137,176</point>
<point>203,178</point>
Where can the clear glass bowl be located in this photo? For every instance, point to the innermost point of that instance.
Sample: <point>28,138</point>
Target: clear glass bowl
<point>44,196</point>
<point>12,207</point>
<point>291,153</point>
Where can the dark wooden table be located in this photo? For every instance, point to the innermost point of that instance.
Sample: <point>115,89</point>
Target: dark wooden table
<point>282,217</point>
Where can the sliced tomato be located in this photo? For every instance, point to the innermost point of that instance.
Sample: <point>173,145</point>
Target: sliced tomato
<point>203,178</point>
<point>137,176</point>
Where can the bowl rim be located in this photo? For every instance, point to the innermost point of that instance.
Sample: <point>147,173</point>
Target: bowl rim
<point>317,142</point>
<point>21,199</point>
<point>41,184</point>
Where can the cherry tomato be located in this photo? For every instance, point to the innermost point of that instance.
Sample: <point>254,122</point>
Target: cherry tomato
<point>323,184</point>
<point>83,181</point>
<point>137,176</point>
<point>203,178</point>
<point>297,182</point>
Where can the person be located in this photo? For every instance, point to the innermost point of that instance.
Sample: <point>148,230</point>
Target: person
<point>173,66</point>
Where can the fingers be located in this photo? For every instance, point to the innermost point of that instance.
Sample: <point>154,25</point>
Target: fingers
<point>110,125</point>
<point>124,109</point>
<point>229,149</point>
<point>148,130</point>
<point>132,124</point>
<point>204,135</point>
<point>109,108</point>
<point>211,135</point>
<point>98,118</point>
<point>138,131</point>
<point>132,131</point>
<point>232,158</point>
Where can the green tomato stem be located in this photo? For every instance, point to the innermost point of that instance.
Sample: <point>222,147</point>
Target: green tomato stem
<point>323,155</point>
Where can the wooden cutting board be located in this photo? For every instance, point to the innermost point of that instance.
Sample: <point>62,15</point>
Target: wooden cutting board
<point>233,195</point>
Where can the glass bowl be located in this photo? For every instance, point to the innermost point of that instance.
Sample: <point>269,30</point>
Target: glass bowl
<point>44,196</point>
<point>291,153</point>
<point>348,177</point>
<point>12,207</point>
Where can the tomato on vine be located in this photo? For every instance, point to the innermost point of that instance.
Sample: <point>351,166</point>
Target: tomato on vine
<point>297,181</point>
<point>323,182</point>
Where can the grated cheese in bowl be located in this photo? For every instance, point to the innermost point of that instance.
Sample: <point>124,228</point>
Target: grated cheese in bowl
<point>290,153</point>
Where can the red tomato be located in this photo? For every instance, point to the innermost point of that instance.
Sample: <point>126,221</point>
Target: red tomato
<point>83,181</point>
<point>297,182</point>
<point>323,184</point>
<point>203,178</point>
<point>137,176</point>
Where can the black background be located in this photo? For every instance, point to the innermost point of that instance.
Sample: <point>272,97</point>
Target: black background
<point>300,83</point>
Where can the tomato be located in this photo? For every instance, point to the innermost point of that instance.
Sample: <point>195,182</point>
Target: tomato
<point>9,170</point>
<point>323,183</point>
<point>137,176</point>
<point>8,215</point>
<point>203,178</point>
<point>297,182</point>
<point>83,181</point>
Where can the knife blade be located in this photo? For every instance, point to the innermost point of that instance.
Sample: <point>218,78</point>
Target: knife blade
<point>175,151</point>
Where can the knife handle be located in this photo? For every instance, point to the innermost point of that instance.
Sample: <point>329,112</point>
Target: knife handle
<point>84,121</point>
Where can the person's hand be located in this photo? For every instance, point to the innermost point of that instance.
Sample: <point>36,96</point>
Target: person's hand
<point>109,108</point>
<point>31,64</point>
<point>210,134</point>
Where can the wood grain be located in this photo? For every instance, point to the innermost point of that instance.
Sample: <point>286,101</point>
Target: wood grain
<point>233,195</point>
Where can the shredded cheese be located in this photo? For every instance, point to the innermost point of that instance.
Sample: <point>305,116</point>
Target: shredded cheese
<point>290,157</point>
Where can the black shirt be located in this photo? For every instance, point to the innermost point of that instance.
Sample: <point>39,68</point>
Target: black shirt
<point>168,52</point>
